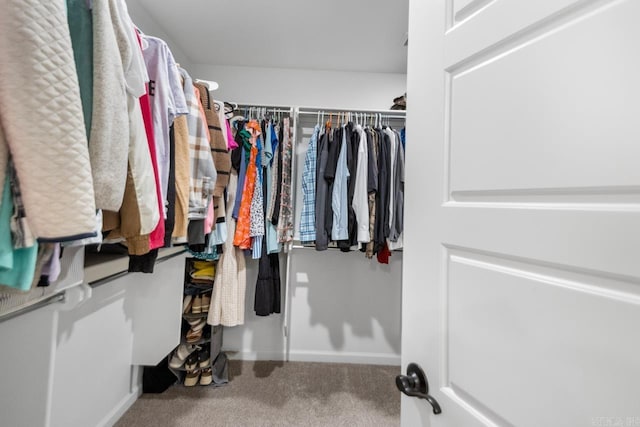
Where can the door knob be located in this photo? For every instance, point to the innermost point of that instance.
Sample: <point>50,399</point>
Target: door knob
<point>415,384</point>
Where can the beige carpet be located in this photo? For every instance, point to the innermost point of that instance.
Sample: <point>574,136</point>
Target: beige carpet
<point>278,394</point>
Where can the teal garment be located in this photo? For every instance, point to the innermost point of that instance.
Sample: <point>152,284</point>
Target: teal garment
<point>81,29</point>
<point>273,246</point>
<point>17,266</point>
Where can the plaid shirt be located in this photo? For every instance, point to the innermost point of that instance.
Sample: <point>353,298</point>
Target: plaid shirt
<point>308,217</point>
<point>201,162</point>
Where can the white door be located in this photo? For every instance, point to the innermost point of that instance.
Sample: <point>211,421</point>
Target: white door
<point>521,281</point>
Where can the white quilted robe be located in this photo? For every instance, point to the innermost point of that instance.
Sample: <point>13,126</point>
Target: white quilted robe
<point>227,302</point>
<point>41,116</point>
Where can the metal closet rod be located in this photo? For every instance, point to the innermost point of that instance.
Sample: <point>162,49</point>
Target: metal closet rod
<point>394,113</point>
<point>269,108</point>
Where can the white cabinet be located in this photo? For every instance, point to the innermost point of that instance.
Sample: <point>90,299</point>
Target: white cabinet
<point>154,302</point>
<point>76,364</point>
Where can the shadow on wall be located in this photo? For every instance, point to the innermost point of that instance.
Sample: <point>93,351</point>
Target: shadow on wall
<point>261,337</point>
<point>347,291</point>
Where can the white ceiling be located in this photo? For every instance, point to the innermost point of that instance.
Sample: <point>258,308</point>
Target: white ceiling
<point>345,35</point>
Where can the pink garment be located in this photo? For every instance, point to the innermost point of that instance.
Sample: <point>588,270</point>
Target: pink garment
<point>156,238</point>
<point>209,220</point>
<point>231,143</point>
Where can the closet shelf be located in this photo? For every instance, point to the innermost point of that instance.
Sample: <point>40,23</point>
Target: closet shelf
<point>195,316</point>
<point>201,341</point>
<point>183,369</point>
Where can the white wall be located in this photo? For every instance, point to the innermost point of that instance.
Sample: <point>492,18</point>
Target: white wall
<point>345,307</point>
<point>348,308</point>
<point>150,26</point>
<point>304,88</point>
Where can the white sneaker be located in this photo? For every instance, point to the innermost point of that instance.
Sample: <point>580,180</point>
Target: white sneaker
<point>180,355</point>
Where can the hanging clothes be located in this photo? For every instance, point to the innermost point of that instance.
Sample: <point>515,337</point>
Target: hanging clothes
<point>340,225</point>
<point>353,139</point>
<point>219,144</point>
<point>228,298</point>
<point>168,99</point>
<point>156,238</point>
<point>243,152</point>
<point>17,265</point>
<point>109,137</point>
<point>140,213</point>
<point>268,291</point>
<point>393,151</point>
<point>382,196</point>
<point>276,179</point>
<point>41,102</point>
<point>201,167</point>
<point>397,227</point>
<point>308,215</point>
<point>360,202</point>
<point>322,194</point>
<point>256,229</point>
<point>285,218</point>
<point>372,187</point>
<point>182,178</point>
<point>217,139</point>
<point>271,232</point>
<point>242,238</point>
<point>81,31</point>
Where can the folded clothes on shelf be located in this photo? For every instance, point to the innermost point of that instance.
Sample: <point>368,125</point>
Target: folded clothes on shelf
<point>202,271</point>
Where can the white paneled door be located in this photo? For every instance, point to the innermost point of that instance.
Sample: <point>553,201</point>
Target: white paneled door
<point>521,280</point>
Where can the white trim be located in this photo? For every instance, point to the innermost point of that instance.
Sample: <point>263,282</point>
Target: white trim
<point>255,355</point>
<point>118,411</point>
<point>320,356</point>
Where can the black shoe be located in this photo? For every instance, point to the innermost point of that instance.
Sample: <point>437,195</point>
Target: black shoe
<point>204,359</point>
<point>192,361</point>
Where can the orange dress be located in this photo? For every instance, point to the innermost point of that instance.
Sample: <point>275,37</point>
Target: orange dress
<point>242,237</point>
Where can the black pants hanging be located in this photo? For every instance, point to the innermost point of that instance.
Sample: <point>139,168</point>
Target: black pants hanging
<point>267,300</point>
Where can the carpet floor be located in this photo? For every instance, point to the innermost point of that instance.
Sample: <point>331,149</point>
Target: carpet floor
<point>269,394</point>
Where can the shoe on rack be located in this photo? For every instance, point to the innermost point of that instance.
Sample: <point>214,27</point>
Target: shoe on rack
<point>193,322</point>
<point>196,307</point>
<point>191,378</point>
<point>180,355</point>
<point>204,358</point>
<point>194,336</point>
<point>206,301</point>
<point>206,377</point>
<point>187,303</point>
<point>192,361</point>
<point>198,326</point>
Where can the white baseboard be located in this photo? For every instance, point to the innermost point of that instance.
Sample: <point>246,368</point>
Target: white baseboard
<point>319,356</point>
<point>116,413</point>
<point>255,355</point>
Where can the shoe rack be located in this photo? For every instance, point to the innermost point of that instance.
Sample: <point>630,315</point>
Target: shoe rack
<point>198,359</point>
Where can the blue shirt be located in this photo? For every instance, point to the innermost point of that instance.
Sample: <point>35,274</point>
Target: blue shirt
<point>308,216</point>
